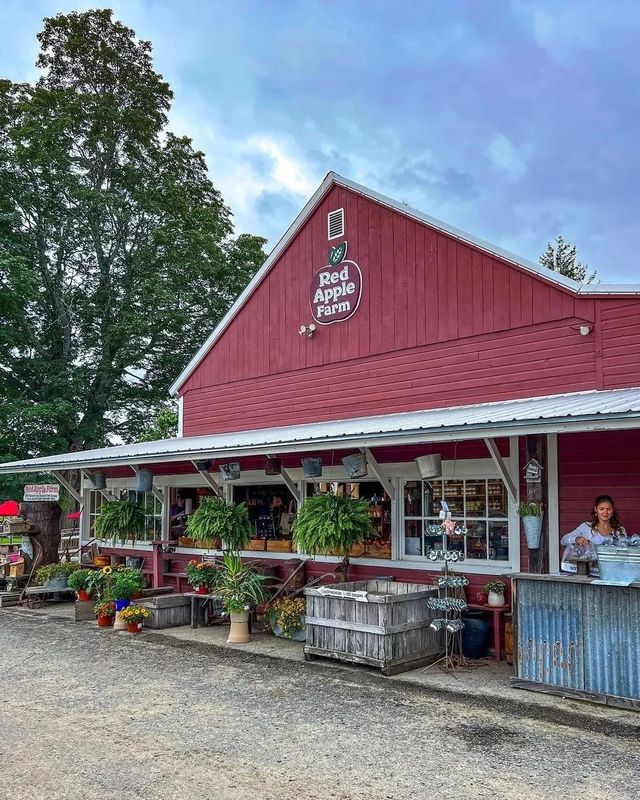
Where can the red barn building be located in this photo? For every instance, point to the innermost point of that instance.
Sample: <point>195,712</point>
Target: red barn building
<point>377,330</point>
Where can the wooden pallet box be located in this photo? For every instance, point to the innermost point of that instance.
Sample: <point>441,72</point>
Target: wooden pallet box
<point>167,611</point>
<point>380,623</point>
<point>84,610</point>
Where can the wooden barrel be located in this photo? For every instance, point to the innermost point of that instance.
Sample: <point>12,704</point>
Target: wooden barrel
<point>508,640</point>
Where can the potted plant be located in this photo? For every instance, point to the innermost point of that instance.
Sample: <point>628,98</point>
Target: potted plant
<point>495,590</point>
<point>105,611</point>
<point>201,576</point>
<point>332,522</point>
<point>531,515</point>
<point>55,576</point>
<point>79,581</point>
<point>216,521</point>
<point>98,582</point>
<point>134,616</point>
<point>125,583</point>
<point>120,519</point>
<point>285,617</point>
<point>240,588</point>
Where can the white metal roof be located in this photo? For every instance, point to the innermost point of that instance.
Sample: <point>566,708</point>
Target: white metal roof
<point>333,179</point>
<point>579,411</point>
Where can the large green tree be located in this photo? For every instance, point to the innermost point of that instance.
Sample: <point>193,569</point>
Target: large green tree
<point>117,254</point>
<point>562,257</point>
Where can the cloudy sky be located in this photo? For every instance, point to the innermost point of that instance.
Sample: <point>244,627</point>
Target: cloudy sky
<point>514,121</point>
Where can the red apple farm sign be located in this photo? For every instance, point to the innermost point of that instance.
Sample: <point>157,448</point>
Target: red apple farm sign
<point>335,292</point>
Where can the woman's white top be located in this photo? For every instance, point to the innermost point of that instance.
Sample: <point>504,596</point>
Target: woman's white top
<point>592,536</point>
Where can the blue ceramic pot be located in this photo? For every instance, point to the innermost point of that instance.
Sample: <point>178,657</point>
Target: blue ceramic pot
<point>475,634</point>
<point>120,604</point>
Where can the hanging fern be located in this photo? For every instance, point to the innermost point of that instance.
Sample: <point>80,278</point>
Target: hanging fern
<point>215,519</point>
<point>332,522</point>
<point>122,519</point>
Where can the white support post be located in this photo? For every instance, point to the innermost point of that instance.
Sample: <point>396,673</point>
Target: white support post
<point>553,505</point>
<point>502,469</point>
<point>291,485</point>
<point>72,491</point>
<point>375,468</point>
<point>206,476</point>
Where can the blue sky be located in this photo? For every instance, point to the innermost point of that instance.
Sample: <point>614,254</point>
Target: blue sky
<point>514,121</point>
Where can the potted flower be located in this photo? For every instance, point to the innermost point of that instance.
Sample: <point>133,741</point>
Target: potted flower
<point>285,617</point>
<point>201,576</point>
<point>332,522</point>
<point>105,611</point>
<point>240,588</point>
<point>79,581</point>
<point>495,590</point>
<point>134,616</point>
<point>218,522</point>
<point>98,582</point>
<point>120,519</point>
<point>531,515</point>
<point>55,576</point>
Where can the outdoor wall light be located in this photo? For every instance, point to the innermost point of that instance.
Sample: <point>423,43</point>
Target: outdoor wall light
<point>585,330</point>
<point>307,330</point>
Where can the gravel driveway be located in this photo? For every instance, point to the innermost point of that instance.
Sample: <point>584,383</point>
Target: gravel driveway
<point>90,714</point>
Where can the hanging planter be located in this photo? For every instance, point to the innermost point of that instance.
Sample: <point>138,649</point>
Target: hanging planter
<point>312,467</point>
<point>273,466</point>
<point>356,465</point>
<point>429,466</point>
<point>144,481</point>
<point>532,518</point>
<point>230,472</point>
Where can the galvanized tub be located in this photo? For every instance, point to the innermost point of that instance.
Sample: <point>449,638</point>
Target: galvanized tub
<point>619,564</point>
<point>380,623</point>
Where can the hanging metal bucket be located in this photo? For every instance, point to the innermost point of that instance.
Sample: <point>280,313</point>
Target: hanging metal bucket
<point>356,465</point>
<point>533,531</point>
<point>98,480</point>
<point>312,467</point>
<point>144,481</point>
<point>230,471</point>
<point>429,466</point>
<point>273,466</point>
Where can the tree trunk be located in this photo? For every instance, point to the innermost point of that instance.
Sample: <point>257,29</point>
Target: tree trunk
<point>46,517</point>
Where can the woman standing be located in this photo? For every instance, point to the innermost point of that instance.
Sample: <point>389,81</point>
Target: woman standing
<point>603,524</point>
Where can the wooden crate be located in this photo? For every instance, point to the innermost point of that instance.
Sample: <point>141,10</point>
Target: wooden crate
<point>279,545</point>
<point>388,627</point>
<point>167,611</point>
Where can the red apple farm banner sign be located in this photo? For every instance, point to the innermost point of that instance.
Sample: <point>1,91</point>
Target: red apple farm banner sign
<point>336,289</point>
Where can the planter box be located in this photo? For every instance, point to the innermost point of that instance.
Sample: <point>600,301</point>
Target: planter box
<point>167,611</point>
<point>84,610</point>
<point>386,625</point>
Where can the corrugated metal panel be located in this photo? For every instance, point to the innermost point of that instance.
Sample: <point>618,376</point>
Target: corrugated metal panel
<point>550,633</point>
<point>611,627</point>
<point>481,419</point>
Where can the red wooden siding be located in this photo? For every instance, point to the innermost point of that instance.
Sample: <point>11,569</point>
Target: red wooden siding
<point>440,323</point>
<point>620,325</point>
<point>590,464</point>
<point>543,359</point>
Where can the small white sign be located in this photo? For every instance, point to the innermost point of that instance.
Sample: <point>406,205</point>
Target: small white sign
<point>41,492</point>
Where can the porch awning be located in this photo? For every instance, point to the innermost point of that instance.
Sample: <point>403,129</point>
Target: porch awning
<point>579,411</point>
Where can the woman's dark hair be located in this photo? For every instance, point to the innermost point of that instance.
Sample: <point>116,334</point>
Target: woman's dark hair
<point>605,498</point>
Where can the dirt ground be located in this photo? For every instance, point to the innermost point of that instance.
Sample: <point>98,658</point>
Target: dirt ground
<point>88,714</point>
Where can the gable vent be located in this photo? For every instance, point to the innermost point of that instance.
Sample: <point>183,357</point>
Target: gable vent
<point>335,223</point>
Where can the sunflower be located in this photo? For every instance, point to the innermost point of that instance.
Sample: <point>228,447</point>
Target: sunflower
<point>107,570</point>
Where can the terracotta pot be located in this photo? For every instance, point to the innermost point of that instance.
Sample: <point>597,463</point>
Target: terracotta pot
<point>83,595</point>
<point>104,621</point>
<point>134,627</point>
<point>239,631</point>
<point>202,590</point>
